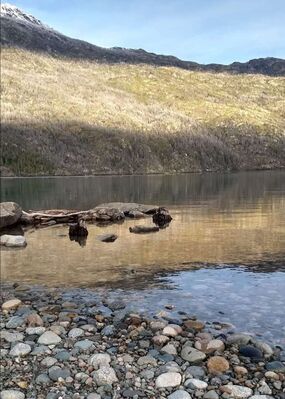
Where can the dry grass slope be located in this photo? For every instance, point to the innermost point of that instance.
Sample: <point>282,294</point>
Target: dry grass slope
<point>62,116</point>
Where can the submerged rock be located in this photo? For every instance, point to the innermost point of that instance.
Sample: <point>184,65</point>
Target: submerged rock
<point>143,229</point>
<point>108,237</point>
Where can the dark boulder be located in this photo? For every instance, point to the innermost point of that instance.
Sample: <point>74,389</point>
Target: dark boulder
<point>161,217</point>
<point>108,237</point>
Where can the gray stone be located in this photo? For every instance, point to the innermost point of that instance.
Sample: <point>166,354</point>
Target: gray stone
<point>238,339</point>
<point>100,359</point>
<point>179,394</point>
<point>108,331</point>
<point>12,241</point>
<point>107,237</point>
<point>49,338</point>
<point>277,366</point>
<point>35,330</point>
<point>11,336</point>
<point>84,345</point>
<point>170,349</point>
<point>55,372</point>
<point>147,374</point>
<point>15,321</point>
<point>48,361</point>
<point>10,213</point>
<point>146,360</point>
<point>75,333</point>
<point>12,394</point>
<point>93,396</point>
<point>62,356</point>
<point>195,371</point>
<point>211,395</point>
<point>105,375</point>
<point>168,380</point>
<point>194,383</point>
<point>20,349</point>
<point>43,379</point>
<point>238,391</point>
<point>191,354</point>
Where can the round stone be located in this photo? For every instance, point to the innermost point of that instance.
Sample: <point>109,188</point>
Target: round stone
<point>12,394</point>
<point>237,391</point>
<point>105,375</point>
<point>169,331</point>
<point>75,333</point>
<point>251,352</point>
<point>20,349</point>
<point>238,339</point>
<point>217,365</point>
<point>195,371</point>
<point>49,338</point>
<point>11,336</point>
<point>35,330</point>
<point>84,345</point>
<point>168,380</point>
<point>55,372</point>
<point>179,394</point>
<point>15,321</point>
<point>160,339</point>
<point>11,304</point>
<point>211,395</point>
<point>194,383</point>
<point>276,366</point>
<point>191,354</point>
<point>100,359</point>
<point>170,349</point>
<point>196,325</point>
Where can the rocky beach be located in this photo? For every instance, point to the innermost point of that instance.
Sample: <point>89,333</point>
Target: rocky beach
<point>60,346</point>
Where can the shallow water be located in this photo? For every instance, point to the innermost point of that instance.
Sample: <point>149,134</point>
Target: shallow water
<point>221,257</point>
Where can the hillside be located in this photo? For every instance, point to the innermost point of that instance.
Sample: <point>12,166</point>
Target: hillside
<point>19,29</point>
<point>65,112</point>
<point>81,117</point>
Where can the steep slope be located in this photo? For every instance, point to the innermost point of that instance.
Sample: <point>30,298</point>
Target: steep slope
<point>22,30</point>
<point>64,116</point>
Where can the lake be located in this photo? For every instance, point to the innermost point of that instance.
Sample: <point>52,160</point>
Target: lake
<point>222,257</point>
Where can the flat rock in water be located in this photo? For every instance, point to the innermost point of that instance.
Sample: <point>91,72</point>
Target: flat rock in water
<point>107,237</point>
<point>13,241</point>
<point>10,213</point>
<point>143,229</point>
<point>127,207</point>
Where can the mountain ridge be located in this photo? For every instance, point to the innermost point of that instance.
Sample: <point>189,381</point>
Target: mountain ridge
<point>19,29</point>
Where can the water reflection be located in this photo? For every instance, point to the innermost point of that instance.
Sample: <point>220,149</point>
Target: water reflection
<point>228,190</point>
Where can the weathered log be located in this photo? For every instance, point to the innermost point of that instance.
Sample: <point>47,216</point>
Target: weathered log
<point>143,229</point>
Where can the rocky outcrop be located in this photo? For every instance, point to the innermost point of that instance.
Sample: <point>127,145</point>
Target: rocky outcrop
<point>10,213</point>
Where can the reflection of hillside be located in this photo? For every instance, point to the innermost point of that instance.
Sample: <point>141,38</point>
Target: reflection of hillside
<point>228,190</point>
<point>253,235</point>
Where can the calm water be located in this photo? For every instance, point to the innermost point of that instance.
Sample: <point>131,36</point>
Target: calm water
<point>222,257</point>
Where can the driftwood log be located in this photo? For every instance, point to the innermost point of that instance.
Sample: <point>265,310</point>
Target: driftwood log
<point>112,212</point>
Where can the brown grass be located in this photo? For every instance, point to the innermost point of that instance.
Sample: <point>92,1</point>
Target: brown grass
<point>65,117</point>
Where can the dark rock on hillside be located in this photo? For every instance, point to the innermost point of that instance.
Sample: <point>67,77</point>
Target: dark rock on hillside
<point>19,29</point>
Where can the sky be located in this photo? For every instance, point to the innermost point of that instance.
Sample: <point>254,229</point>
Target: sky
<point>205,31</point>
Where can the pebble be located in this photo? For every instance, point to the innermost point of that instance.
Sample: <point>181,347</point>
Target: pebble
<point>56,372</point>
<point>238,339</point>
<point>99,360</point>
<point>250,351</point>
<point>35,330</point>
<point>169,331</point>
<point>20,349</point>
<point>195,371</point>
<point>238,391</point>
<point>191,354</point>
<point>160,339</point>
<point>170,349</point>
<point>11,336</point>
<point>75,333</point>
<point>93,396</point>
<point>179,394</point>
<point>167,380</point>
<point>84,345</point>
<point>11,304</point>
<point>49,338</point>
<point>15,321</point>
<point>211,395</point>
<point>196,325</point>
<point>217,365</point>
<point>276,365</point>
<point>194,383</point>
<point>12,394</point>
<point>105,375</point>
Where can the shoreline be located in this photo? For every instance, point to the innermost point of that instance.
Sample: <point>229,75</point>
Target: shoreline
<point>73,348</point>
<point>113,174</point>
